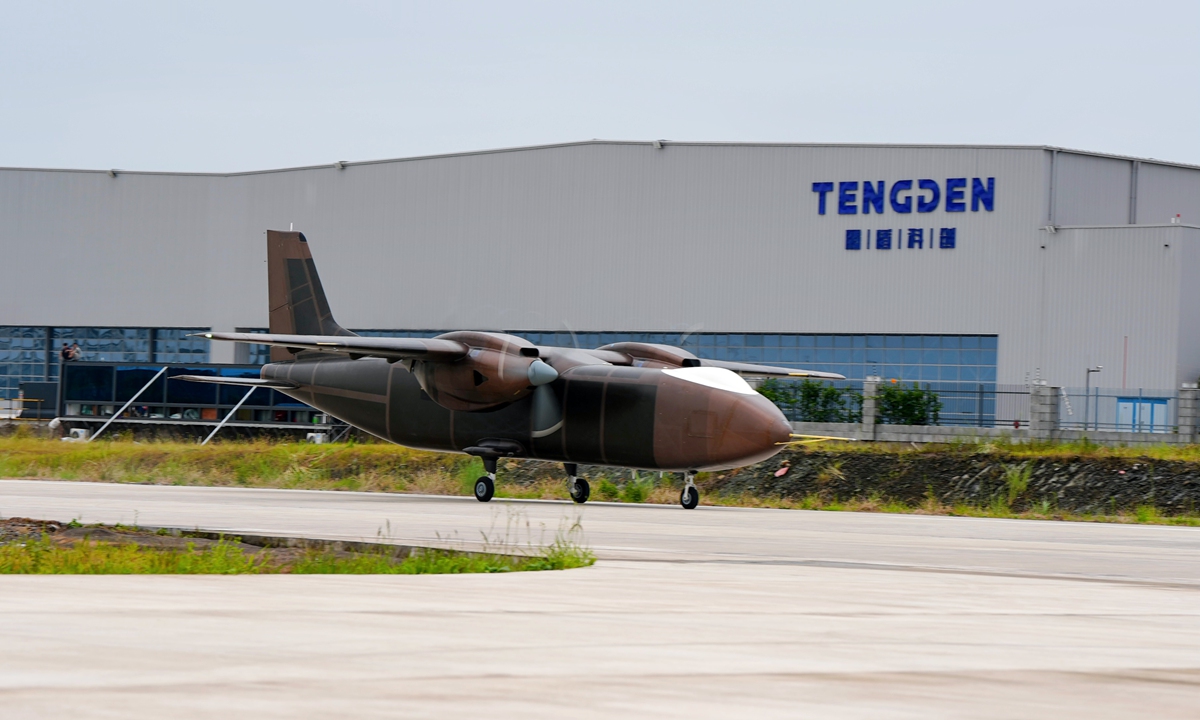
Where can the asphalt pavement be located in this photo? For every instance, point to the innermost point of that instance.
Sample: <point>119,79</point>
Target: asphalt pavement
<point>715,612</point>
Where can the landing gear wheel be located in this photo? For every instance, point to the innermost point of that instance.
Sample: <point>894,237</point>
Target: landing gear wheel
<point>580,490</point>
<point>689,498</point>
<point>485,489</point>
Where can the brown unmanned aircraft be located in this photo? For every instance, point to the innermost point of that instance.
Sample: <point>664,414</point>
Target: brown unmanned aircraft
<point>493,395</point>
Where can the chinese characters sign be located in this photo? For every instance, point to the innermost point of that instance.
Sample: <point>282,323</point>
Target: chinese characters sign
<point>910,238</point>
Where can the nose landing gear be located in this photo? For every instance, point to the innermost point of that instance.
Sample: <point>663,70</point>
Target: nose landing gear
<point>485,487</point>
<point>689,498</point>
<point>578,487</point>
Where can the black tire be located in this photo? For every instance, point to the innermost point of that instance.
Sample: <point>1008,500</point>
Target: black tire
<point>581,492</point>
<point>485,489</point>
<point>689,498</point>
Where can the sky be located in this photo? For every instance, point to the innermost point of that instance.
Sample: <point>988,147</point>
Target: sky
<point>236,86</point>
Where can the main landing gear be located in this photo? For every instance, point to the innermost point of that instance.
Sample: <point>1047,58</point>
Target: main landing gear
<point>485,487</point>
<point>578,487</point>
<point>689,498</point>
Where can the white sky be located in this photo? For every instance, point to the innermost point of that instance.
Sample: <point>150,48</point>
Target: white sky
<point>228,86</point>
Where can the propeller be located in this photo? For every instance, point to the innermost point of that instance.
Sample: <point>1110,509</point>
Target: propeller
<point>547,409</point>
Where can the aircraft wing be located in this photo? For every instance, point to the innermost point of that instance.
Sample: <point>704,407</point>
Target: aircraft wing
<point>755,369</point>
<point>244,382</point>
<point>391,348</point>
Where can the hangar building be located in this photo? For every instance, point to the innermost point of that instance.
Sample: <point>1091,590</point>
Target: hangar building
<point>963,266</point>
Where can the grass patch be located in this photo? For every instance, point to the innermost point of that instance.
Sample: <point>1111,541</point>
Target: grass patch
<point>42,556</point>
<point>998,508</point>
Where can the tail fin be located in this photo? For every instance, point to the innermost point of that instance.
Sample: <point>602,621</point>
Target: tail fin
<point>297,300</point>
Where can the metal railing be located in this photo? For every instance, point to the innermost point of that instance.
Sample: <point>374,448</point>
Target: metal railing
<point>1118,409</point>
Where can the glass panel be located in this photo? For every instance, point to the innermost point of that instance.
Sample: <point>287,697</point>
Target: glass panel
<point>191,393</point>
<point>132,379</point>
<point>88,384</point>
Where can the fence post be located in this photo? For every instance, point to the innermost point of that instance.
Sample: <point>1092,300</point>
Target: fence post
<point>1187,412</point>
<point>1043,410</point>
<point>867,429</point>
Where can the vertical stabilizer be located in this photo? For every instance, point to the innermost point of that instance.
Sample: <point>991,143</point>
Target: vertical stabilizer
<point>297,301</point>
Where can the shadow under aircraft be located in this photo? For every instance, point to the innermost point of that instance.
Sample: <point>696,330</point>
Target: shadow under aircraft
<point>493,395</point>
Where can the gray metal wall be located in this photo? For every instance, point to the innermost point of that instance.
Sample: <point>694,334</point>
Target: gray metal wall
<point>623,236</point>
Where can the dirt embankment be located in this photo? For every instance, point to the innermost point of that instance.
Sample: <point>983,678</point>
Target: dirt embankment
<point>1074,484</point>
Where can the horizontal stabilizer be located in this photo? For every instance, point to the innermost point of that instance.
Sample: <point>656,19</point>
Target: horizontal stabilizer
<point>244,382</point>
<point>757,370</point>
<point>391,348</point>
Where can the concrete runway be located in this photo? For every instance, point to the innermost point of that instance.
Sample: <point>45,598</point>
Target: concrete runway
<point>710,613</point>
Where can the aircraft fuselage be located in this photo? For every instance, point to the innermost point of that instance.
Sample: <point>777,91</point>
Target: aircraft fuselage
<point>638,417</point>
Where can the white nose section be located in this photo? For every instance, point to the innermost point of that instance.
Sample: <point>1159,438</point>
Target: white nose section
<point>541,374</point>
<point>713,377</point>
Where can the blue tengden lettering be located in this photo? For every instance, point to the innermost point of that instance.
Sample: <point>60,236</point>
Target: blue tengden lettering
<point>916,238</point>
<point>883,239</point>
<point>822,188</point>
<point>947,238</point>
<point>955,187</point>
<point>872,197</point>
<point>847,197</point>
<point>854,239</point>
<point>897,188</point>
<point>981,195</point>
<point>928,205</point>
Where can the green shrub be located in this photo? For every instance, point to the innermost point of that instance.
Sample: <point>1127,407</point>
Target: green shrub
<point>899,405</point>
<point>813,401</point>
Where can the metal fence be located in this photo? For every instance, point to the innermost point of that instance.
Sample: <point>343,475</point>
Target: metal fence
<point>1119,409</point>
<point>984,405</point>
<point>960,404</point>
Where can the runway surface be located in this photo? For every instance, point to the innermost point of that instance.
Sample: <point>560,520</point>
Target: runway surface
<point>709,613</point>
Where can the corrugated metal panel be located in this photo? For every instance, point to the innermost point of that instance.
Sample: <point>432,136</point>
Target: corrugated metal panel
<point>1100,285</point>
<point>594,236</point>
<point>1091,190</point>
<point>1187,239</point>
<point>1164,191</point>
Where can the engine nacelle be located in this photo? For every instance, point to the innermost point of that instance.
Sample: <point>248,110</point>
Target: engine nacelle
<point>498,370</point>
<point>652,355</point>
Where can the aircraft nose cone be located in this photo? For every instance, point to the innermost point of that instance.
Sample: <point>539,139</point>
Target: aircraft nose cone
<point>755,431</point>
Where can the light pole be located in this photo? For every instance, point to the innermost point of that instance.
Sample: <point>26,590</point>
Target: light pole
<point>1087,393</point>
